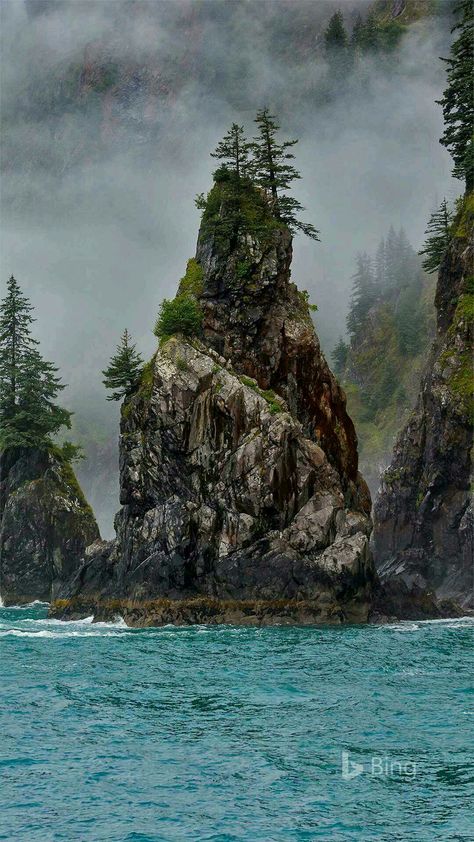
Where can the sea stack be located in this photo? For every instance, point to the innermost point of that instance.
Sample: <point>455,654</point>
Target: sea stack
<point>241,498</point>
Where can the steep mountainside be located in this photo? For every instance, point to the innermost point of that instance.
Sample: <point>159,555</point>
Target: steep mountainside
<point>240,494</point>
<point>423,516</point>
<point>45,524</point>
<point>391,325</point>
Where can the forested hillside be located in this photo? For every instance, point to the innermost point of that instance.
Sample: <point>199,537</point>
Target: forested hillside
<point>390,326</point>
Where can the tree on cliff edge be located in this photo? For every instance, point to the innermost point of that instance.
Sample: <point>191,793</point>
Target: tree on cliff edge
<point>458,98</point>
<point>122,373</point>
<point>438,235</point>
<point>234,150</point>
<point>274,174</point>
<point>28,383</point>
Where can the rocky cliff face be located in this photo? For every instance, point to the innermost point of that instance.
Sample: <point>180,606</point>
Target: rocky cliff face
<point>423,515</point>
<point>256,318</point>
<point>45,525</point>
<point>240,495</point>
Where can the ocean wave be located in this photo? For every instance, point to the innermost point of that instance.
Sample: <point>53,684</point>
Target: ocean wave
<point>37,603</point>
<point>45,633</point>
<point>447,622</point>
<point>47,627</point>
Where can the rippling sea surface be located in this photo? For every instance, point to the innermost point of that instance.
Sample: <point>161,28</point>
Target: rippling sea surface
<point>226,733</point>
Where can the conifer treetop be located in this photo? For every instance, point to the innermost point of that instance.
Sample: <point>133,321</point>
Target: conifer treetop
<point>438,236</point>
<point>457,101</point>
<point>234,150</point>
<point>274,174</point>
<point>335,35</point>
<point>29,384</point>
<point>122,373</point>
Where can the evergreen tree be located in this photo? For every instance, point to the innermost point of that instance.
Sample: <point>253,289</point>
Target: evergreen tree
<point>458,98</point>
<point>234,151</point>
<point>274,174</point>
<point>391,258</point>
<point>407,262</point>
<point>339,356</point>
<point>438,237</point>
<point>380,266</point>
<point>410,321</point>
<point>368,35</point>
<point>357,32</point>
<point>337,48</point>
<point>363,297</point>
<point>335,34</point>
<point>123,371</point>
<point>29,386</point>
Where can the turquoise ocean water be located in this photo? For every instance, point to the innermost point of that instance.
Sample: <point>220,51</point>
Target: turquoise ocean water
<point>227,733</point>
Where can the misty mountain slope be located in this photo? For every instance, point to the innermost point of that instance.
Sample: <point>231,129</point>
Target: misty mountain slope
<point>391,324</point>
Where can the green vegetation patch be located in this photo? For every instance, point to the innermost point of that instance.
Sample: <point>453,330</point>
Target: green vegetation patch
<point>181,364</point>
<point>179,315</point>
<point>274,404</point>
<point>192,281</point>
<point>464,220</point>
<point>69,480</point>
<point>233,207</point>
<point>461,380</point>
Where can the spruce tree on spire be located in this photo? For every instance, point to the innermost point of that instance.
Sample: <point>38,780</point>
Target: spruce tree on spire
<point>458,98</point>
<point>28,383</point>
<point>123,370</point>
<point>274,174</point>
<point>234,150</point>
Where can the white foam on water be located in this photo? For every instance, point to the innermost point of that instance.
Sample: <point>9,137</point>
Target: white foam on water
<point>451,621</point>
<point>37,603</point>
<point>57,635</point>
<point>446,622</point>
<point>117,623</point>
<point>404,626</point>
<point>48,627</point>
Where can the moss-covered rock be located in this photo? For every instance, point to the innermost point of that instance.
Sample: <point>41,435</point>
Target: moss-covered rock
<point>46,524</point>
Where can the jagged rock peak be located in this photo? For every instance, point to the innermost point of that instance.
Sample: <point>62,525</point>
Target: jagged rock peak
<point>259,320</point>
<point>238,463</point>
